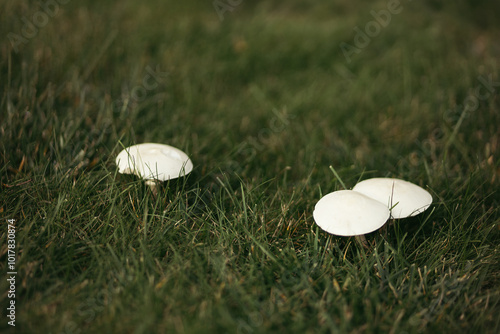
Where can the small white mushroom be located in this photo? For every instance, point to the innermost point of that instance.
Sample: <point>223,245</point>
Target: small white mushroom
<point>349,213</point>
<point>404,198</point>
<point>154,162</point>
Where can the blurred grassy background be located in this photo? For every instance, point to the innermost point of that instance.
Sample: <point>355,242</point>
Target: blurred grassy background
<point>263,101</point>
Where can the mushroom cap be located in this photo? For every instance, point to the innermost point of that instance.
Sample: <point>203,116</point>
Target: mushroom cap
<point>152,161</point>
<point>405,198</point>
<point>349,213</point>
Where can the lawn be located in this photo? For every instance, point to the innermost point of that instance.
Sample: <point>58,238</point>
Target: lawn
<point>264,97</point>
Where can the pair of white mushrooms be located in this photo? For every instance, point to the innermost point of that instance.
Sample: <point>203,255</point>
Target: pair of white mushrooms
<point>369,205</point>
<point>356,212</point>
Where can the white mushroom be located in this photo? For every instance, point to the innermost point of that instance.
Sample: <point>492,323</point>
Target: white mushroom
<point>154,162</point>
<point>349,213</point>
<point>404,198</point>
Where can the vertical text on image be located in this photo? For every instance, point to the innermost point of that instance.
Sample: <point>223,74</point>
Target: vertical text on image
<point>11,265</point>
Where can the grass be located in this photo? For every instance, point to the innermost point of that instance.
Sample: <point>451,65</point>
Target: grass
<point>263,102</point>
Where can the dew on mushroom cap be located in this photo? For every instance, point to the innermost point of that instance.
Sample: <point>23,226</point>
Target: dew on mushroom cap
<point>405,198</point>
<point>349,213</point>
<point>152,161</point>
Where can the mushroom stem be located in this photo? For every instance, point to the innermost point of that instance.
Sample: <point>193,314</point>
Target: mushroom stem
<point>361,239</point>
<point>153,185</point>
